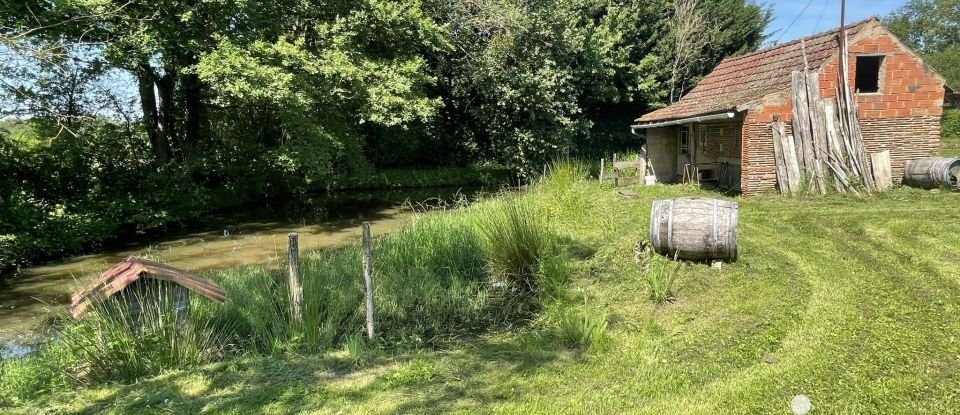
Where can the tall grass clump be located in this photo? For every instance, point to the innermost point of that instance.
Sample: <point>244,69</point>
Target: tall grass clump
<point>660,276</point>
<point>516,240</point>
<point>585,330</point>
<point>112,343</point>
<point>256,312</point>
<point>560,191</point>
<point>429,283</point>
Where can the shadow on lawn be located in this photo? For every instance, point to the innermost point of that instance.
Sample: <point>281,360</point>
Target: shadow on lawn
<point>462,379</point>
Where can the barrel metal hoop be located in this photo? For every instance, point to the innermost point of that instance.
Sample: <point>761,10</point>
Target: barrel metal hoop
<point>734,219</point>
<point>670,229</point>
<point>946,170</point>
<point>715,240</point>
<point>655,223</point>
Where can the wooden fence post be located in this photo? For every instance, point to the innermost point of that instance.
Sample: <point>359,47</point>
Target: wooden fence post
<point>368,277</point>
<point>296,289</point>
<point>601,169</point>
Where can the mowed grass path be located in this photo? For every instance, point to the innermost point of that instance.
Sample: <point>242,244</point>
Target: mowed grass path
<point>852,302</point>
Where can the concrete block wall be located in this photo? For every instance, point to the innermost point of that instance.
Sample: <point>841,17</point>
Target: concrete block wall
<point>662,152</point>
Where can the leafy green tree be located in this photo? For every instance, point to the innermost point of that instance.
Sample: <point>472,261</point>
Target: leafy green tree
<point>527,81</point>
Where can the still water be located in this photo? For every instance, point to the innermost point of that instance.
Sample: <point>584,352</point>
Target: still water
<point>254,234</point>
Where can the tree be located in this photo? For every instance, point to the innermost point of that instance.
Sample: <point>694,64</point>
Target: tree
<point>527,81</point>
<point>690,35</point>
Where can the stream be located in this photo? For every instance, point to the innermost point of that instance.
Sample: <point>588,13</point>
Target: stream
<point>253,234</point>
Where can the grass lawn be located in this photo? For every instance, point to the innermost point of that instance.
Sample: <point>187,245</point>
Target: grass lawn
<point>852,302</point>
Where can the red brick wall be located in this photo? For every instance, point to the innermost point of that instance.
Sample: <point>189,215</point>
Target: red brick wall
<point>759,171</point>
<point>903,117</point>
<point>722,140</point>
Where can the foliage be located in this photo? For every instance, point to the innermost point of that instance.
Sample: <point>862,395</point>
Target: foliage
<point>660,278</point>
<point>583,329</point>
<point>516,243</point>
<point>527,82</point>
<point>162,111</point>
<point>951,123</point>
<point>784,317</point>
<point>357,349</point>
<point>931,27</point>
<point>950,136</point>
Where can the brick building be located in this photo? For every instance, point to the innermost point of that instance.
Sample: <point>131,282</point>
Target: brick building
<point>722,126</point>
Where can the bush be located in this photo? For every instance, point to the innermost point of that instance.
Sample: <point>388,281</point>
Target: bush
<point>951,123</point>
<point>583,330</point>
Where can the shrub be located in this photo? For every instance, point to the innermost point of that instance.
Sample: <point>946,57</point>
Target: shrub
<point>951,123</point>
<point>584,330</point>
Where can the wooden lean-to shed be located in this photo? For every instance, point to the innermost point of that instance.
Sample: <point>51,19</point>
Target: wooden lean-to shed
<point>140,281</point>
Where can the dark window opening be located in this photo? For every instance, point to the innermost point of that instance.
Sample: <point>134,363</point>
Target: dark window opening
<point>868,73</point>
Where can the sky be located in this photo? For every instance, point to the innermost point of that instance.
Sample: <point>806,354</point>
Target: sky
<point>820,15</point>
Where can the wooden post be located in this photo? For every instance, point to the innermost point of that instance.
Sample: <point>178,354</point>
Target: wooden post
<point>881,170</point>
<point>368,277</point>
<point>296,289</point>
<point>601,170</point>
<point>616,180</point>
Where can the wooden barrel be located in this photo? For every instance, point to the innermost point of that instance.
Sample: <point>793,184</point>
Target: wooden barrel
<point>694,228</point>
<point>932,172</point>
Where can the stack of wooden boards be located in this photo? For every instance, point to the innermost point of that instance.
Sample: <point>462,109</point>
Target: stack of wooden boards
<point>826,150</point>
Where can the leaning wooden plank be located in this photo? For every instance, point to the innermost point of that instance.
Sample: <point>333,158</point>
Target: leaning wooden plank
<point>792,163</point>
<point>881,170</point>
<point>835,149</point>
<point>777,129</point>
<point>803,133</point>
<point>818,129</point>
<point>861,155</point>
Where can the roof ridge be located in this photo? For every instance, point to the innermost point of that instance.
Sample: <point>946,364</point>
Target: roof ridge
<point>803,38</point>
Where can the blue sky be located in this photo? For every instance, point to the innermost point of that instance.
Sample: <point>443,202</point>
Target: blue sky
<point>820,15</point>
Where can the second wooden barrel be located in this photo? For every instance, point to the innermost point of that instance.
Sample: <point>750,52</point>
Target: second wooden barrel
<point>932,172</point>
<point>694,228</point>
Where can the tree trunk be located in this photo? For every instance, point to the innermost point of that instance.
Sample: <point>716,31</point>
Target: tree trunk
<point>168,110</point>
<point>148,102</point>
<point>196,122</point>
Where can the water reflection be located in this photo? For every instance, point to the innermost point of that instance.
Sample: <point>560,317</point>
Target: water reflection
<point>254,234</point>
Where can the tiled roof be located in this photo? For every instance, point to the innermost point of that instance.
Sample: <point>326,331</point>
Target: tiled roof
<point>742,79</point>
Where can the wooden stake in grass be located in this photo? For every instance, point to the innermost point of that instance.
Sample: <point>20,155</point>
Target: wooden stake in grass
<point>296,289</point>
<point>368,277</point>
<point>602,162</point>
